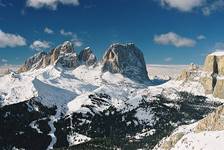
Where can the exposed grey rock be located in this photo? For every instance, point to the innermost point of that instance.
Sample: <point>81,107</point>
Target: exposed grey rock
<point>33,62</point>
<point>66,47</point>
<point>87,57</point>
<point>127,60</point>
<point>69,60</point>
<point>63,54</point>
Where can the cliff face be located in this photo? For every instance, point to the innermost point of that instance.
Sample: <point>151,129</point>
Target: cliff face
<point>214,63</point>
<point>87,57</point>
<point>213,80</point>
<point>127,60</point>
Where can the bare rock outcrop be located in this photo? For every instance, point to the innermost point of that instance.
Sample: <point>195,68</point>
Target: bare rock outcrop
<point>33,62</point>
<point>170,142</point>
<point>190,73</point>
<point>69,60</point>
<point>213,81</point>
<point>87,57</point>
<point>207,84</point>
<point>125,59</point>
<point>219,89</point>
<point>63,54</point>
<point>214,63</point>
<point>213,122</point>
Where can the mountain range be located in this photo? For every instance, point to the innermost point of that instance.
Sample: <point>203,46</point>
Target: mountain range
<point>63,99</point>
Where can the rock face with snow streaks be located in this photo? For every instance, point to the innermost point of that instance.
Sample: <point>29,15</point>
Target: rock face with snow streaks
<point>33,62</point>
<point>87,57</point>
<point>127,60</point>
<point>63,54</point>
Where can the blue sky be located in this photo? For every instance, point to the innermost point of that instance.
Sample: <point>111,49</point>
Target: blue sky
<point>167,31</point>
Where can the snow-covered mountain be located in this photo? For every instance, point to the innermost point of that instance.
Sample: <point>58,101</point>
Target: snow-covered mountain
<point>67,100</point>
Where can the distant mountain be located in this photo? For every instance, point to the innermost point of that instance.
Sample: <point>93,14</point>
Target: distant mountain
<point>63,54</point>
<point>127,60</point>
<point>69,100</point>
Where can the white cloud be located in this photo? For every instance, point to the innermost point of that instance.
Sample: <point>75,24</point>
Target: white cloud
<point>48,30</point>
<point>3,60</point>
<point>11,40</point>
<point>168,59</point>
<point>77,42</point>
<point>206,6</point>
<point>174,39</point>
<point>214,6</point>
<point>182,5</point>
<point>40,45</point>
<point>67,33</point>
<point>74,38</point>
<point>201,37</point>
<point>52,4</point>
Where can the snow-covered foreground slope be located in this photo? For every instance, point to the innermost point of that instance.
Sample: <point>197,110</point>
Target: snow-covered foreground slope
<point>90,105</point>
<point>206,140</point>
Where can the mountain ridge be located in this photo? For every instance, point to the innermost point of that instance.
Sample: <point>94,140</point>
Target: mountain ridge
<point>74,107</point>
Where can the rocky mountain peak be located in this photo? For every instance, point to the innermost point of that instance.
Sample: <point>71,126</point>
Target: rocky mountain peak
<point>126,59</point>
<point>67,47</point>
<point>33,62</point>
<point>63,55</point>
<point>87,57</point>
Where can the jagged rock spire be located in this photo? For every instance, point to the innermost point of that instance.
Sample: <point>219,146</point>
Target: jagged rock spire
<point>87,57</point>
<point>63,55</point>
<point>43,59</point>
